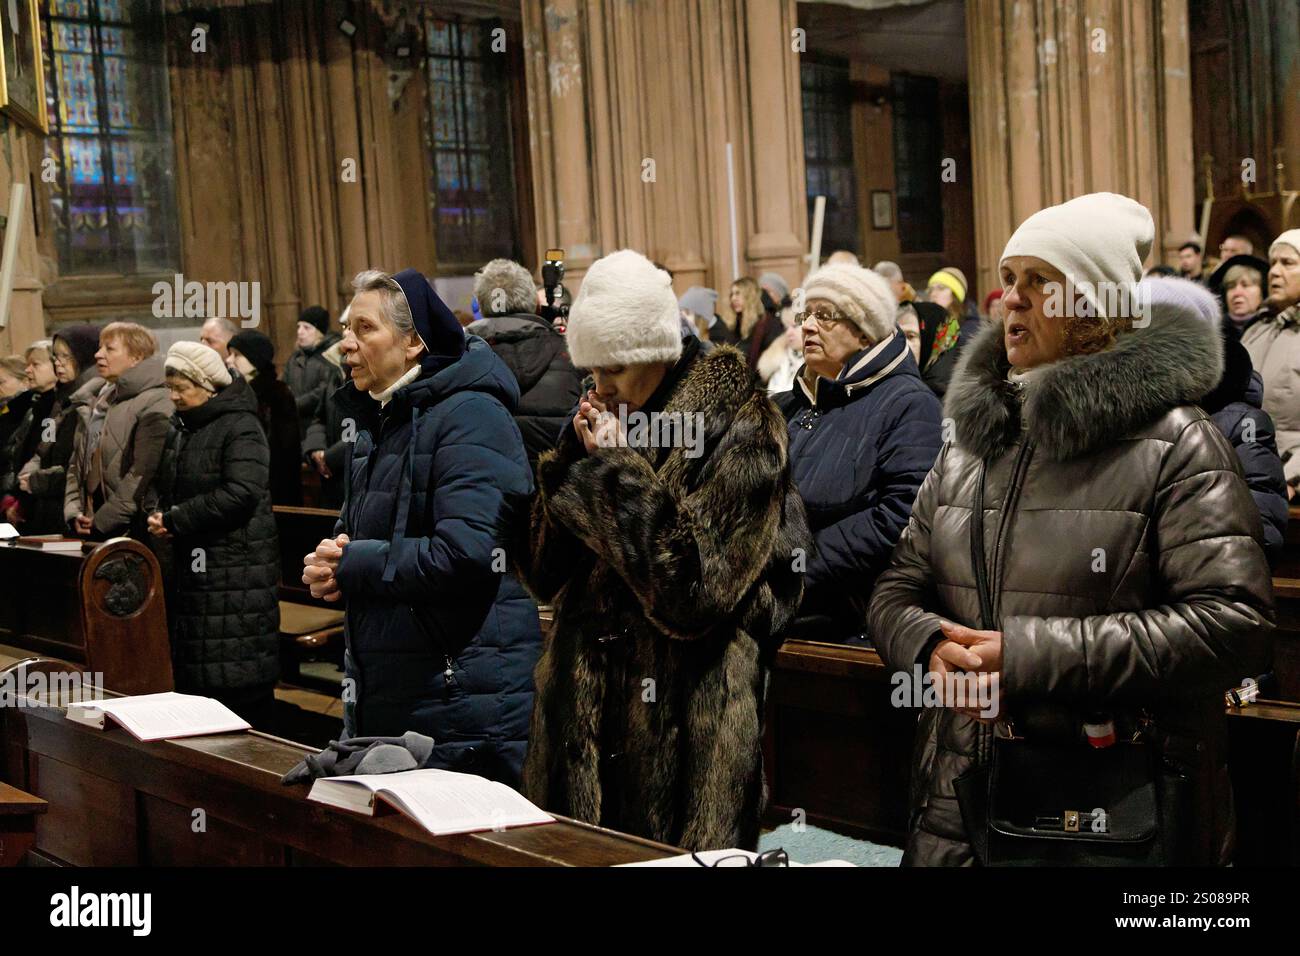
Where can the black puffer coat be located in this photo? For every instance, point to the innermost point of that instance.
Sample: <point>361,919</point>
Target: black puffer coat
<point>225,618</point>
<point>549,385</point>
<point>309,374</point>
<point>44,504</point>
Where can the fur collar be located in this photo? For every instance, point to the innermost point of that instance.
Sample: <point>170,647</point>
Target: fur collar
<point>1086,402</point>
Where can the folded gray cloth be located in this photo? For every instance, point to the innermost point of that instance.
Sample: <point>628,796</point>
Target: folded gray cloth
<point>364,755</point>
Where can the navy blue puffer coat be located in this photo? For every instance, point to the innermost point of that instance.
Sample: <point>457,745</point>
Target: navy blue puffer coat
<point>441,640</point>
<point>859,450</point>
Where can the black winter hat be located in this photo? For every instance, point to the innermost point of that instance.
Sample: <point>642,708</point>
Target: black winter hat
<point>317,316</point>
<point>82,342</point>
<point>255,347</point>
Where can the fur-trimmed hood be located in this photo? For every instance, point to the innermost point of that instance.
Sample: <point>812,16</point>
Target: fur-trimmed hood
<point>1085,402</point>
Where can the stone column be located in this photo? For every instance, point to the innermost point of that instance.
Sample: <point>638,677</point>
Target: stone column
<point>1074,98</point>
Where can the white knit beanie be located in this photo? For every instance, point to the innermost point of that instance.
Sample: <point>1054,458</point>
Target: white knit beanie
<point>1182,296</point>
<point>862,295</point>
<point>624,314</point>
<point>1093,239</point>
<point>200,364</point>
<point>1289,238</point>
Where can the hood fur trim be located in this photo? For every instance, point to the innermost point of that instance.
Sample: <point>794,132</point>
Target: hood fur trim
<point>1086,402</point>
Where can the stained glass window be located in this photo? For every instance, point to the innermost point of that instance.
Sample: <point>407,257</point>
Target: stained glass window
<point>113,203</point>
<point>469,132</point>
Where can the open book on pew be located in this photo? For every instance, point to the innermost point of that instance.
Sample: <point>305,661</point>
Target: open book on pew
<point>160,716</point>
<point>441,801</point>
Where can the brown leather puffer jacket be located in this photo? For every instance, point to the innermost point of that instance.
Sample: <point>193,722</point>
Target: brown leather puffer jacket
<point>1123,556</point>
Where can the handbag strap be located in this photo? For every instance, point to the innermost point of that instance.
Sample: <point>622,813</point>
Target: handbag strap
<point>978,563</point>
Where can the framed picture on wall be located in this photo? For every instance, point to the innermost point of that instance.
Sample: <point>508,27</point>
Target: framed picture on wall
<point>22,71</point>
<point>882,209</point>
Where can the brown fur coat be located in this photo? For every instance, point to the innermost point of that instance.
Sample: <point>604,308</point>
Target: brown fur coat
<point>673,578</point>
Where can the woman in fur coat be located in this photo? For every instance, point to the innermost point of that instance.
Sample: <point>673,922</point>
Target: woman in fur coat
<point>667,533</point>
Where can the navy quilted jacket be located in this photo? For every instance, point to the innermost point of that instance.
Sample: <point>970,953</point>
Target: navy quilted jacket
<point>440,639</point>
<point>858,455</point>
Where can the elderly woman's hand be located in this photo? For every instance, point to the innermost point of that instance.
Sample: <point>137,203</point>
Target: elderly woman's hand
<point>985,645</point>
<point>319,567</point>
<point>596,426</point>
<point>156,526</point>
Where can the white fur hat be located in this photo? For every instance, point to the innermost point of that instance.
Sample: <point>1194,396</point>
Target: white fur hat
<point>625,314</point>
<point>200,364</point>
<point>1289,238</point>
<point>1092,239</point>
<point>862,295</point>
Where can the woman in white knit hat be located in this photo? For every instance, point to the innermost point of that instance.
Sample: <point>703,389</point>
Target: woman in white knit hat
<point>1085,564</point>
<point>671,565</point>
<point>1274,347</point>
<point>212,507</point>
<point>864,431</point>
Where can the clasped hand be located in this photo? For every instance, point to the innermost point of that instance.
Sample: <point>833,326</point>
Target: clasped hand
<point>975,656</point>
<point>320,566</point>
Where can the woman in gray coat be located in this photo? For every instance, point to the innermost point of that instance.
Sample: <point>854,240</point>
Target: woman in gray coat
<point>1122,567</point>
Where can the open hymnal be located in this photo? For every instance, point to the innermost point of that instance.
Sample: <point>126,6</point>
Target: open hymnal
<point>441,801</point>
<point>160,716</point>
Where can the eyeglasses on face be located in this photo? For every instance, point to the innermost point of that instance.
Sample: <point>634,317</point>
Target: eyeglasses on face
<point>824,318</point>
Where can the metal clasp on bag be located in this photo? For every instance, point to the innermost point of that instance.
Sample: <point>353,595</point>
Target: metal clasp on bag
<point>1071,821</point>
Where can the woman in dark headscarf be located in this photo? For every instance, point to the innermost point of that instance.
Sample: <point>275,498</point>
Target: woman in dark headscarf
<point>42,477</point>
<point>933,337</point>
<point>253,356</point>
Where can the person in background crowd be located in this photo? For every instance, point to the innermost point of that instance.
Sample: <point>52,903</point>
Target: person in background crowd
<point>43,477</point>
<point>1274,346</point>
<point>308,373</point>
<point>212,494</point>
<point>894,276</point>
<point>13,395</point>
<point>1077,436</point>
<point>253,356</point>
<point>947,289</point>
<point>864,431</point>
<point>929,331</point>
<point>1239,282</point>
<point>442,639</point>
<point>15,503</point>
<point>742,315</point>
<point>1235,406</point>
<point>119,437</point>
<point>683,578</point>
<point>1191,262</point>
<point>773,292</point>
<point>699,306</point>
<point>1235,246</point>
<point>843,257</point>
<point>1162,271</point>
<point>535,353</point>
<point>780,364</point>
<point>325,446</point>
<point>216,335</point>
<point>995,310</point>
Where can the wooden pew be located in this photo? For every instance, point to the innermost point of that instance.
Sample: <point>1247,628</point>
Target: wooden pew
<point>837,750</point>
<point>18,812</point>
<point>834,748</point>
<point>114,801</point>
<point>307,626</point>
<point>104,610</point>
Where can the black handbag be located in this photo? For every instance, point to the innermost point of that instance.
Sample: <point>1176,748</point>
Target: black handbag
<point>1040,803</point>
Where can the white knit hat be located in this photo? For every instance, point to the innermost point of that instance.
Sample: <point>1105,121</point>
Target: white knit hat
<point>200,364</point>
<point>862,295</point>
<point>625,314</point>
<point>1093,239</point>
<point>1289,238</point>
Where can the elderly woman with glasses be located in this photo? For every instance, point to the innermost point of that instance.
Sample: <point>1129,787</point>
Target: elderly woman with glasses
<point>864,431</point>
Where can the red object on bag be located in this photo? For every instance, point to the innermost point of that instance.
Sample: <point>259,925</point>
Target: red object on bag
<point>1100,730</point>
